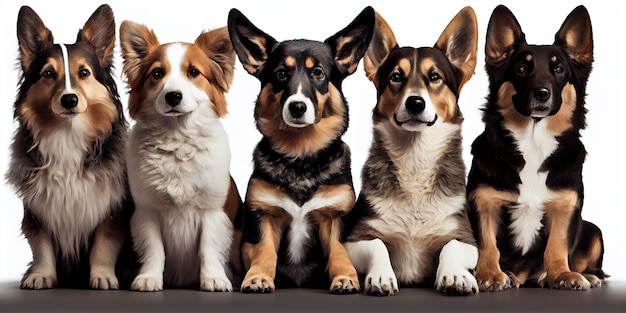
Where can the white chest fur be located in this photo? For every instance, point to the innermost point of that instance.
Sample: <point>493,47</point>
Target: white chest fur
<point>535,144</point>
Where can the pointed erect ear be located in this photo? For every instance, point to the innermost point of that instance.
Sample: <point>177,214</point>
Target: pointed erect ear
<point>251,44</point>
<point>576,36</point>
<point>383,42</point>
<point>459,42</point>
<point>503,33</point>
<point>216,45</point>
<point>137,41</point>
<point>99,31</point>
<point>32,35</point>
<point>349,44</point>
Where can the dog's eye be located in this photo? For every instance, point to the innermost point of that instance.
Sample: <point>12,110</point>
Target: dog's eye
<point>281,75</point>
<point>193,72</point>
<point>434,77</point>
<point>84,73</point>
<point>558,69</point>
<point>157,73</point>
<point>318,73</point>
<point>396,77</point>
<point>522,70</point>
<point>49,73</point>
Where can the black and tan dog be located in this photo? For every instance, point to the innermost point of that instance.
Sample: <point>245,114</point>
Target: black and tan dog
<point>410,224</point>
<point>301,183</point>
<point>525,185</point>
<point>67,161</point>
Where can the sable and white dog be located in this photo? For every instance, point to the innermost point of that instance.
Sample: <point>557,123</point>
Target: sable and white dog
<point>409,224</point>
<point>179,159</point>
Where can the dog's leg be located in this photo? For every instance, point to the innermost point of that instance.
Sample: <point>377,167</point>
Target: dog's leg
<point>215,245</point>
<point>148,243</point>
<point>260,257</point>
<point>588,254</point>
<point>42,271</point>
<point>453,273</point>
<point>559,212</point>
<point>372,257</point>
<point>488,203</point>
<point>108,241</point>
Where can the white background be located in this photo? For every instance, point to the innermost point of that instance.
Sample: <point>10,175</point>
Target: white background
<point>415,23</point>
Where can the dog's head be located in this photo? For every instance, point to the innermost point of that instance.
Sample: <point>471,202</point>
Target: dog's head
<point>538,80</point>
<point>301,98</point>
<point>418,87</point>
<point>174,79</point>
<point>67,84</point>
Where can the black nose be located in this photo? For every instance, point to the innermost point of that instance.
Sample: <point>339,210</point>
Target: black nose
<point>415,104</point>
<point>69,100</point>
<point>173,98</point>
<point>297,109</point>
<point>542,94</point>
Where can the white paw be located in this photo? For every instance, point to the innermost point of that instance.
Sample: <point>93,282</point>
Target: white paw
<point>147,282</point>
<point>39,281</point>
<point>103,280</point>
<point>381,281</point>
<point>455,280</point>
<point>215,284</point>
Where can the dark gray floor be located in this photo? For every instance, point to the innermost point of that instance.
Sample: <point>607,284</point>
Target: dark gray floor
<point>611,297</point>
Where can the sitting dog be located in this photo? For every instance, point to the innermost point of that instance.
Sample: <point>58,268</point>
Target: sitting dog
<point>409,224</point>
<point>302,181</point>
<point>67,162</point>
<point>525,185</point>
<point>179,160</point>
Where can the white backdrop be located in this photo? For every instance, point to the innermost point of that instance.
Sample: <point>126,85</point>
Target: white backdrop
<point>415,23</point>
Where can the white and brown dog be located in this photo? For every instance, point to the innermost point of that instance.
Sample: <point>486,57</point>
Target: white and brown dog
<point>179,159</point>
<point>409,224</point>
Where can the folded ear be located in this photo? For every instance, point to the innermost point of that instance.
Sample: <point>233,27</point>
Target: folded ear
<point>503,33</point>
<point>217,46</point>
<point>459,42</point>
<point>576,37</point>
<point>99,31</point>
<point>32,36</point>
<point>251,44</point>
<point>137,41</point>
<point>349,44</point>
<point>382,43</point>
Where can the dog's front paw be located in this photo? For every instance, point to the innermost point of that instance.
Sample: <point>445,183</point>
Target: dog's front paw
<point>37,280</point>
<point>344,285</point>
<point>215,284</point>
<point>103,280</point>
<point>381,282</point>
<point>147,282</point>
<point>455,281</point>
<point>567,281</point>
<point>495,280</point>
<point>257,284</point>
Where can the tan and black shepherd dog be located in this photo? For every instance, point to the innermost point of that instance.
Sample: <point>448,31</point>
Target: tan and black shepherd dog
<point>302,183</point>
<point>525,185</point>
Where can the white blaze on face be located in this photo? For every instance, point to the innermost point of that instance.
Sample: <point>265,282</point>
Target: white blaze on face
<point>308,118</point>
<point>66,67</point>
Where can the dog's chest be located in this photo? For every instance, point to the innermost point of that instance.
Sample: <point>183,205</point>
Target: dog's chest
<point>535,144</point>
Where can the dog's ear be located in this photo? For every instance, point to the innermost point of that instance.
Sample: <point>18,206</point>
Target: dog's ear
<point>459,42</point>
<point>503,33</point>
<point>382,43</point>
<point>576,37</point>
<point>217,46</point>
<point>137,41</point>
<point>349,44</point>
<point>32,36</point>
<point>99,31</point>
<point>251,44</point>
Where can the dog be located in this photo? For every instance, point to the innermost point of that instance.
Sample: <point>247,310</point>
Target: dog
<point>301,182</point>
<point>179,158</point>
<point>525,184</point>
<point>67,156</point>
<point>409,225</point>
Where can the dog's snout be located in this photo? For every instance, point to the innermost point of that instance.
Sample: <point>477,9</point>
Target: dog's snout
<point>69,101</point>
<point>173,98</point>
<point>415,105</point>
<point>297,109</point>
<point>541,94</point>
